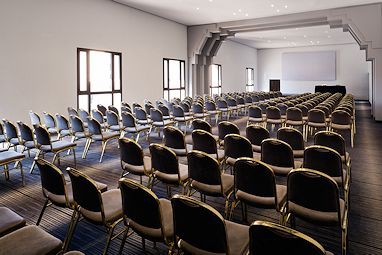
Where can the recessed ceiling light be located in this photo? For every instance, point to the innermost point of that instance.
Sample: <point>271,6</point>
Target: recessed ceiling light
<point>277,10</point>
<point>234,13</point>
<point>211,0</point>
<point>286,6</point>
<point>305,36</point>
<point>272,5</point>
<point>239,10</point>
<point>197,8</point>
<point>246,15</point>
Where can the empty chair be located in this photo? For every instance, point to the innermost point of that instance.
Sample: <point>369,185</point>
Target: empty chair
<point>9,157</point>
<point>50,123</point>
<point>11,135</point>
<point>167,169</point>
<point>35,118</point>
<point>148,107</point>
<point>113,121</point>
<point>180,117</point>
<point>256,135</point>
<point>133,161</point>
<point>99,116</point>
<point>126,109</point>
<point>9,221</point>
<point>96,134</point>
<point>146,214</point>
<point>223,107</point>
<point>212,110</point>
<point>271,238</point>
<point>263,107</point>
<point>274,116</point>
<point>113,109</point>
<point>26,137</point>
<point>198,111</point>
<point>130,127</point>
<point>186,108</point>
<point>141,116</point>
<point>232,106</point>
<point>294,118</point>
<point>46,145</point>
<point>255,185</point>
<point>96,207</point>
<point>165,111</point>
<point>255,115</point>
<point>201,124</point>
<point>226,128</point>
<point>84,115</point>
<point>204,141</point>
<point>342,120</point>
<point>78,130</point>
<point>200,229</point>
<point>174,139</point>
<point>63,127</point>
<point>157,120</point>
<point>279,156</point>
<point>314,197</point>
<point>294,138</point>
<point>316,120</point>
<point>241,104</point>
<point>72,111</point>
<point>236,146</point>
<point>102,109</point>
<point>2,135</point>
<point>135,105</point>
<point>283,109</point>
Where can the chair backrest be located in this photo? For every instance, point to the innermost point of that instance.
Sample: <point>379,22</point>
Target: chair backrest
<point>178,111</point>
<point>240,100</point>
<point>10,130</point>
<point>282,107</point>
<point>96,114</point>
<point>185,106</point>
<point>174,138</point>
<point>102,109</point>
<point>163,159</point>
<point>332,140</point>
<point>85,192</point>
<point>341,117</point>
<point>164,109</point>
<point>231,102</point>
<point>201,124</point>
<point>26,132</point>
<point>271,238</point>
<point>210,105</point>
<point>140,114</point>
<point>316,116</point>
<point>42,135</point>
<point>236,146</point>
<point>35,118</point>
<point>113,109</point>
<point>203,168</point>
<point>148,107</point>
<point>135,105</point>
<point>76,124</point>
<point>222,104</point>
<point>256,134</point>
<point>62,122</point>
<point>294,114</point>
<point>323,159</point>
<point>83,114</point>
<point>49,120</point>
<point>128,119</point>
<point>204,141</point>
<point>94,126</point>
<point>126,109</point>
<point>197,108</point>
<point>276,152</point>
<point>156,115</point>
<point>112,118</point>
<point>313,190</point>
<point>273,112</point>
<point>254,112</point>
<point>131,152</point>
<point>248,100</point>
<point>72,111</point>
<point>254,177</point>
<point>195,223</point>
<point>140,204</point>
<point>226,128</point>
<point>255,99</point>
<point>291,136</point>
<point>52,179</point>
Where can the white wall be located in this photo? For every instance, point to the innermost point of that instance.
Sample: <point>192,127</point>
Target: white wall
<point>38,49</point>
<point>235,58</point>
<point>351,70</point>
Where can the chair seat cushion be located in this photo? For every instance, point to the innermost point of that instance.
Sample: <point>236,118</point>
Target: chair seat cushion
<point>80,135</point>
<point>261,201</point>
<point>295,122</point>
<point>283,171</point>
<point>52,130</point>
<point>65,132</point>
<point>227,182</point>
<point>173,178</point>
<point>275,121</point>
<point>182,152</point>
<point>9,221</point>
<point>137,129</point>
<point>340,126</point>
<point>316,124</point>
<point>183,119</point>
<point>58,146</point>
<point>14,141</point>
<point>163,123</point>
<point>256,148</point>
<point>201,115</point>
<point>251,119</point>
<point>138,170</point>
<point>214,112</point>
<point>10,156</point>
<point>30,240</point>
<point>298,153</point>
<point>230,161</point>
<point>143,122</point>
<point>115,127</point>
<point>105,136</point>
<point>238,238</point>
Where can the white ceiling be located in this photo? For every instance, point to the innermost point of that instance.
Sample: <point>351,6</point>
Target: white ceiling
<point>294,37</point>
<point>195,12</point>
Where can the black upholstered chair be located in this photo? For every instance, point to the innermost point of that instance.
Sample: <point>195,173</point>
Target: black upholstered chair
<point>141,116</point>
<point>174,139</point>
<point>148,106</point>
<point>113,109</point>
<point>11,134</point>
<point>165,111</point>
<point>50,123</point>
<point>226,128</point>
<point>26,137</point>
<point>102,109</point>
<point>84,115</point>
<point>35,118</point>
<point>181,117</point>
<point>199,111</point>
<point>113,123</point>
<point>146,214</point>
<point>72,111</point>
<point>294,118</point>
<point>342,120</point>
<point>9,157</point>
<point>236,146</point>
<point>63,127</point>
<point>99,116</point>
<point>256,135</point>
<point>201,124</point>
<point>200,229</point>
<point>316,121</point>
<point>130,127</point>
<point>212,110</point>
<point>9,221</point>
<point>255,116</point>
<point>204,141</point>
<point>294,138</point>
<point>78,131</point>
<point>157,120</point>
<point>222,105</point>
<point>273,115</point>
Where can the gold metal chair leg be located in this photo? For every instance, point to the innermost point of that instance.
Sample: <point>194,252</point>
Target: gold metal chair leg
<point>74,157</point>
<point>104,143</point>
<point>42,212</point>
<point>109,237</point>
<point>34,162</point>
<point>6,172</point>
<point>71,229</point>
<point>22,173</point>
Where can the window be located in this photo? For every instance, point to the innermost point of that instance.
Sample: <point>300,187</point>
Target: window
<point>216,80</point>
<point>99,78</point>
<point>174,79</point>
<point>250,77</point>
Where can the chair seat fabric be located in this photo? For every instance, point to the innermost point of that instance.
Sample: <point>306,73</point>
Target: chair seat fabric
<point>30,240</point>
<point>58,146</point>
<point>275,121</point>
<point>163,123</point>
<point>112,204</point>
<point>267,202</point>
<point>14,141</point>
<point>295,122</point>
<point>80,135</point>
<point>182,152</point>
<point>183,119</point>
<point>214,112</point>
<point>316,124</point>
<point>220,155</point>
<point>227,183</point>
<point>279,170</point>
<point>137,129</point>
<point>52,130</point>
<point>201,115</point>
<point>340,126</point>
<point>298,153</point>
<point>65,132</point>
<point>143,122</point>
<point>251,119</point>
<point>10,156</point>
<point>105,136</point>
<point>115,128</point>
<point>9,221</point>
<point>256,148</point>
<point>173,178</point>
<point>138,170</point>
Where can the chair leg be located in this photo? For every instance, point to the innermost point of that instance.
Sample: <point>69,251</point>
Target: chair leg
<point>137,138</point>
<point>143,244</point>
<point>109,237</point>
<point>22,173</point>
<point>6,172</point>
<point>104,143</point>
<point>352,137</point>
<point>42,212</point>
<point>54,158</point>
<point>123,240</point>
<point>71,229</point>
<point>86,149</point>
<point>74,157</point>
<point>34,162</point>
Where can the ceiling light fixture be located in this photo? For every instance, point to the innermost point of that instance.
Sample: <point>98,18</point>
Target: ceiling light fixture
<point>277,10</point>
<point>239,10</point>
<point>234,13</point>
<point>246,15</point>
<point>305,36</point>
<point>272,5</point>
<point>286,6</point>
<point>197,8</point>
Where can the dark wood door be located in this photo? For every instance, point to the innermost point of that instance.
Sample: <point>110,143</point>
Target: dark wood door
<point>274,85</point>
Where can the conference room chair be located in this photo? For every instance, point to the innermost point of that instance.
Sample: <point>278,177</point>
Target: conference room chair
<point>34,118</point>
<point>295,139</point>
<point>255,116</point>
<point>129,126</point>
<point>84,115</point>
<point>63,127</point>
<point>226,128</point>
<point>11,134</point>
<point>99,116</point>
<point>133,160</point>
<point>135,105</point>
<point>113,109</point>
<point>207,178</point>
<point>180,117</point>
<point>146,214</point>
<point>212,110</point>
<point>255,99</point>
<point>248,101</point>
<point>9,221</point>
<point>98,208</point>
<point>326,110</point>
<point>186,106</point>
<point>273,117</point>
<point>223,107</point>
<point>272,103</point>
<point>12,157</point>
<point>174,139</point>
<point>46,145</point>
<point>167,169</point>
<point>342,121</point>
<point>26,137</point>
<point>50,123</point>
<point>295,119</point>
<point>271,238</point>
<point>78,131</point>
<point>233,106</point>
<point>158,122</point>
<point>72,111</point>
<point>126,109</point>
<point>283,109</point>
<point>165,112</point>
<point>199,111</point>
<point>200,229</point>
<point>324,206</point>
<point>279,156</point>
<point>236,146</point>
<point>201,124</point>
<point>2,135</point>
<point>204,141</point>
<point>148,106</point>
<point>255,185</point>
<point>113,123</point>
<point>316,121</point>
<point>141,116</point>
<point>241,104</point>
<point>102,109</point>
<point>256,135</point>
<point>97,134</point>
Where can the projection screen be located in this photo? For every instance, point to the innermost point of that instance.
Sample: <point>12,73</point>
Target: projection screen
<point>309,66</point>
